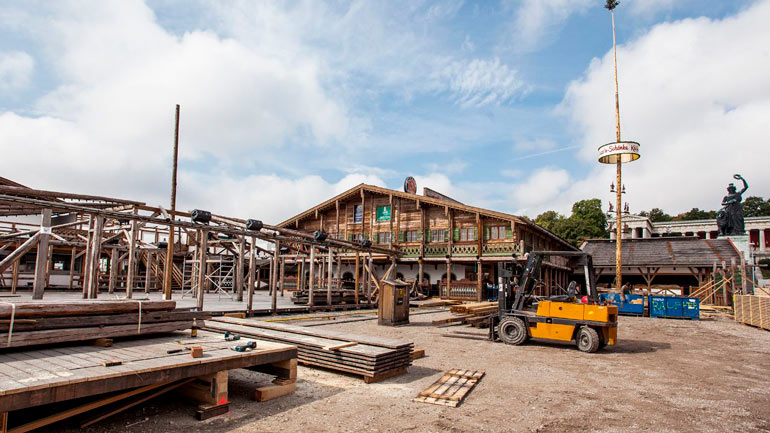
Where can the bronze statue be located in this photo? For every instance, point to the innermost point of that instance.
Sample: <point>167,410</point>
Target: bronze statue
<point>730,217</point>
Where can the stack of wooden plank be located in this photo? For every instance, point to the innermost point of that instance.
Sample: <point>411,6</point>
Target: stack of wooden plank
<point>339,296</point>
<point>475,314</point>
<point>752,310</point>
<point>374,358</point>
<point>40,323</point>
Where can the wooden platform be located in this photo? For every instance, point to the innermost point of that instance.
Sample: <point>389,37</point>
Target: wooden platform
<point>451,388</point>
<point>35,377</point>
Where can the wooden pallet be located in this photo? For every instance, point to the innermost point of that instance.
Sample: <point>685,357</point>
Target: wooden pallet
<point>451,389</point>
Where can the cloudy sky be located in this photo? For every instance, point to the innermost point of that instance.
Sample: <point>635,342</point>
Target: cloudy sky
<point>284,104</point>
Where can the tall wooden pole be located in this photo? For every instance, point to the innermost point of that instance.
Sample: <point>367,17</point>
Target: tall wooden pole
<point>170,248</point>
<point>357,275</point>
<point>618,176</point>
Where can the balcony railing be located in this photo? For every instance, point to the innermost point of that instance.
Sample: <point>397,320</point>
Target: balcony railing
<point>461,250</point>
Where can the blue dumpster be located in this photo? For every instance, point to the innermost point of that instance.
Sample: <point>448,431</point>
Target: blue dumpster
<point>633,305</point>
<point>677,307</point>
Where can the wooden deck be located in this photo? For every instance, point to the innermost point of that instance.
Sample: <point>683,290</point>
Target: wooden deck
<point>35,377</point>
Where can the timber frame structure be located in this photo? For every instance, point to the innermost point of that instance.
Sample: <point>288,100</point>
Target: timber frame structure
<point>107,245</point>
<point>432,233</point>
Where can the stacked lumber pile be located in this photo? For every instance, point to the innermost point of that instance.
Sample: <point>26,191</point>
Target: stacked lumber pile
<point>752,310</point>
<point>475,314</point>
<point>374,358</point>
<point>339,296</point>
<point>716,312</point>
<point>40,323</point>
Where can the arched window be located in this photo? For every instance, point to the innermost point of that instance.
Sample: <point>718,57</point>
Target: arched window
<point>348,276</point>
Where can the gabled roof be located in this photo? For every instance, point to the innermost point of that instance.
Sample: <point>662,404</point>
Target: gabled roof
<point>356,191</point>
<point>671,251</point>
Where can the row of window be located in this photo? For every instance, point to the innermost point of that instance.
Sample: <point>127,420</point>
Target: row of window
<point>438,235</point>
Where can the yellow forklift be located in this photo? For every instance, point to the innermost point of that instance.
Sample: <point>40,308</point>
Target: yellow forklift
<point>589,323</point>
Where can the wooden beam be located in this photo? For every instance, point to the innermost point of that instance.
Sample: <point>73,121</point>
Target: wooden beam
<point>131,272</point>
<point>203,246</point>
<point>274,298</point>
<point>311,281</point>
<point>329,282</point>
<point>41,263</point>
<point>250,290</point>
<point>19,252</point>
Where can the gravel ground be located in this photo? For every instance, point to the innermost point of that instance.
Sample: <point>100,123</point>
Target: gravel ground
<point>662,376</point>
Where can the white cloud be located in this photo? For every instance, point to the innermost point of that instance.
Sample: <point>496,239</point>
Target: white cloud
<point>479,82</point>
<point>647,8</point>
<point>16,69</point>
<point>695,94</point>
<point>537,22</point>
<point>107,127</point>
<point>539,190</point>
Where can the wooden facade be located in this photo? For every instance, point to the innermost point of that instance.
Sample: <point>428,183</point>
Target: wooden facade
<point>435,236</point>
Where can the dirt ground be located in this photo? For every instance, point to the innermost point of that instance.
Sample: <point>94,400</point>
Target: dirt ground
<point>662,376</point>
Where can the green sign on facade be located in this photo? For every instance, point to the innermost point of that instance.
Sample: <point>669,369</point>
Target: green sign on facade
<point>383,213</point>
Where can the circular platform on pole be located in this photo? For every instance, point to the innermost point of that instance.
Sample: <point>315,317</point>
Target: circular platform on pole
<point>625,151</point>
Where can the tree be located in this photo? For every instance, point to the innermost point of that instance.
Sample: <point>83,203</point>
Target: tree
<point>755,206</point>
<point>695,214</point>
<point>587,221</point>
<point>656,214</point>
<point>550,220</point>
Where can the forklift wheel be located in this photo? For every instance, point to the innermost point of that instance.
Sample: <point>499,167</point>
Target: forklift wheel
<point>512,330</point>
<point>588,340</point>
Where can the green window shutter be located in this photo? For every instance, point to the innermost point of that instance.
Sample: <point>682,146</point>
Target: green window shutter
<point>508,232</point>
<point>456,235</point>
<point>475,234</point>
<point>419,235</point>
<point>427,236</point>
<point>486,233</point>
<point>446,235</point>
<point>376,238</point>
<point>350,237</point>
<point>401,236</point>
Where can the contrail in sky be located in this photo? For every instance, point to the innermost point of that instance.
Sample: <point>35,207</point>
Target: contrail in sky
<point>547,152</point>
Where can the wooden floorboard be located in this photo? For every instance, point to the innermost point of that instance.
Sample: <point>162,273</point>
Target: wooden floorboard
<point>34,377</point>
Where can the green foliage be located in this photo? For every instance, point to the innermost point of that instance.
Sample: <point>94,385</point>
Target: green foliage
<point>696,214</point>
<point>656,214</point>
<point>550,220</point>
<point>587,221</point>
<point>611,4</point>
<point>756,206</point>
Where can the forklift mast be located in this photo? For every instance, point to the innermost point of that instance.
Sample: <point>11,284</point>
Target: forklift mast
<point>515,300</point>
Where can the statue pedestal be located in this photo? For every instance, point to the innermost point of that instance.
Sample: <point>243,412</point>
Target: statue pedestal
<point>741,242</point>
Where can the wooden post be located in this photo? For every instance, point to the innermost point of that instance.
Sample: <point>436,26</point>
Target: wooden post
<point>250,290</point>
<point>448,276</point>
<point>49,260</point>
<point>41,262</point>
<point>368,280</point>
<point>203,245</point>
<point>148,272</point>
<point>357,276</point>
<point>15,277</point>
<point>239,269</point>
<point>283,274</point>
<point>420,270</point>
<point>113,270</point>
<point>85,264</point>
<point>311,282</point>
<point>130,278</point>
<point>167,271</point>
<point>259,283</point>
<point>96,251</point>
<point>329,282</point>
<point>72,267</point>
<point>479,284</point>
<point>274,298</point>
